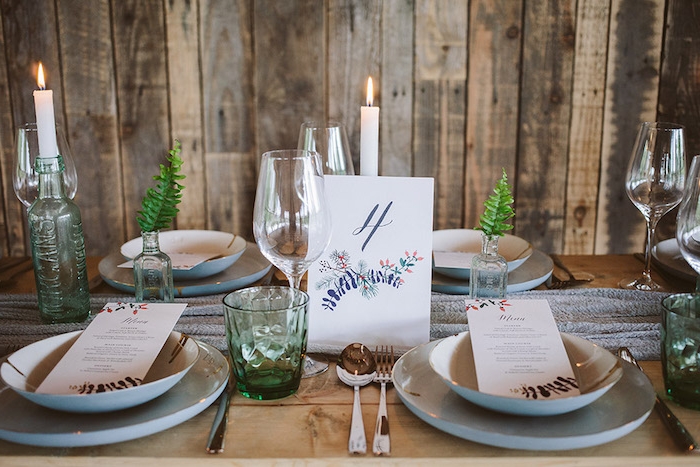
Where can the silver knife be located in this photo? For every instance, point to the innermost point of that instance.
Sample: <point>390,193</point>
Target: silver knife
<point>679,433</point>
<point>217,436</point>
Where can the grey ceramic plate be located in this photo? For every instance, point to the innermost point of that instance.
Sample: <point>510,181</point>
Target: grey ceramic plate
<point>612,416</point>
<point>27,423</point>
<point>532,273</point>
<point>667,255</point>
<point>251,266</point>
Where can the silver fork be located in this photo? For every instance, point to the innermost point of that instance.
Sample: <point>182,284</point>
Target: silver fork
<point>384,355</point>
<point>570,282</point>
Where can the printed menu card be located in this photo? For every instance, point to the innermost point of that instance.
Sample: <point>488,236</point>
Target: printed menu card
<point>518,351</point>
<point>372,284</point>
<point>116,350</point>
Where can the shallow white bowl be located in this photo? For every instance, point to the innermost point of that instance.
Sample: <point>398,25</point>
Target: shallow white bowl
<point>35,361</point>
<point>596,371</point>
<point>226,248</point>
<point>514,249</point>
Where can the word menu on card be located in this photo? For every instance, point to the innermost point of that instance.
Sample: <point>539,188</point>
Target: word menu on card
<point>518,351</point>
<point>116,350</point>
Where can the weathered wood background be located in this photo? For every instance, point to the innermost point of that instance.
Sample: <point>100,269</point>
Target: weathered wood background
<point>551,90</point>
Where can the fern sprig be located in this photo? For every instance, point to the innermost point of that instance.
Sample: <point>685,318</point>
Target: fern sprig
<point>498,209</point>
<point>158,206</point>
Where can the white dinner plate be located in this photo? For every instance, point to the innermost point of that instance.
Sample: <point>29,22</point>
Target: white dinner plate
<point>27,423</point>
<point>533,272</point>
<point>251,266</point>
<point>667,255</point>
<point>224,248</point>
<point>618,412</point>
<point>514,249</point>
<point>27,368</point>
<point>596,371</point>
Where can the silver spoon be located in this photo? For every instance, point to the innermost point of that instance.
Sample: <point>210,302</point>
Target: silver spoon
<point>356,368</point>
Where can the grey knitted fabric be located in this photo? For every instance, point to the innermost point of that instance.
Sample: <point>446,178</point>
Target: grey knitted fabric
<point>607,317</point>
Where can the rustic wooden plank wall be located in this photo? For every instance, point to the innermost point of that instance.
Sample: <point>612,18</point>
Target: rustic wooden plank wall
<point>550,90</point>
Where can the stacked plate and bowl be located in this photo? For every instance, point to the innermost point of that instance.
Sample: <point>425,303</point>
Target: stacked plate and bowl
<point>232,262</point>
<point>185,378</point>
<point>527,267</point>
<point>438,383</point>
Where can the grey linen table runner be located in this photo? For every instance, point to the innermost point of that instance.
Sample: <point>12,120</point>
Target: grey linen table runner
<point>607,317</point>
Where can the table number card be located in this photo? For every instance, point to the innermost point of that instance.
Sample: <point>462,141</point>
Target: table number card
<point>372,285</point>
<point>518,351</point>
<point>120,344</point>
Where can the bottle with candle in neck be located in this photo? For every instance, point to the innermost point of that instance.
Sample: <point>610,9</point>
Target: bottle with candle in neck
<point>58,248</point>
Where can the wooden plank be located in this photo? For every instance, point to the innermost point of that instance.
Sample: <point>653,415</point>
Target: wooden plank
<point>588,99</point>
<point>679,92</point>
<point>11,210</point>
<point>440,104</point>
<point>354,54</point>
<point>396,88</point>
<point>548,51</point>
<point>228,114</point>
<point>231,184</point>
<point>289,69</point>
<point>182,25</point>
<point>679,100</point>
<point>91,119</point>
<point>20,21</point>
<point>142,98</point>
<point>493,96</point>
<point>630,97</point>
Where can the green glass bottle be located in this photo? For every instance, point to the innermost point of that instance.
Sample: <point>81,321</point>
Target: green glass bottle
<point>58,248</point>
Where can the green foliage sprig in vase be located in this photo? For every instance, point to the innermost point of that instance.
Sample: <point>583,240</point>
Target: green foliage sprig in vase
<point>498,209</point>
<point>158,206</point>
<point>153,269</point>
<point>489,270</point>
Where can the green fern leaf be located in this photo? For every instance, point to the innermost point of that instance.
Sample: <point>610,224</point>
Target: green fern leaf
<point>498,209</point>
<point>158,207</point>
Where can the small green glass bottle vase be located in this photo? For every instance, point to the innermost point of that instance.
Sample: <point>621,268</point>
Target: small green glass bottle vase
<point>488,277</point>
<point>153,272</point>
<point>58,248</point>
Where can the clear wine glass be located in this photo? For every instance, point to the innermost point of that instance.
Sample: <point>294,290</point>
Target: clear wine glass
<point>291,220</point>
<point>688,221</point>
<point>24,179</point>
<point>330,140</point>
<point>655,181</point>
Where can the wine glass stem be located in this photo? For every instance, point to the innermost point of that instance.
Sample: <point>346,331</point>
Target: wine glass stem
<point>651,229</point>
<point>294,281</point>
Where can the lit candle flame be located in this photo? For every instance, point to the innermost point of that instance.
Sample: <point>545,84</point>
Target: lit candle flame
<point>40,77</point>
<point>370,92</point>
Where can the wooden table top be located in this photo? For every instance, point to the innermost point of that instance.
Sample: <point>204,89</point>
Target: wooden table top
<point>311,427</point>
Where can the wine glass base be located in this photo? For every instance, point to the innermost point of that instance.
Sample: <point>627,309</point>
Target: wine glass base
<point>314,366</point>
<point>641,283</point>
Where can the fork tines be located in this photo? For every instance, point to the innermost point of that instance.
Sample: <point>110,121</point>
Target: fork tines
<point>384,355</point>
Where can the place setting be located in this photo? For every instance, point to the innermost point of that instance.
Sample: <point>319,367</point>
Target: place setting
<point>205,262</point>
<point>514,381</point>
<point>454,249</point>
<point>126,376</point>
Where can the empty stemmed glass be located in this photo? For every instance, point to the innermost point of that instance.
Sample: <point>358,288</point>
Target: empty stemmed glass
<point>688,221</point>
<point>291,220</point>
<point>25,180</point>
<point>655,181</point>
<point>329,139</point>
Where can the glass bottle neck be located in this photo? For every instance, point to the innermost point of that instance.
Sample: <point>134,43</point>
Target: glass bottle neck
<point>50,171</point>
<point>150,242</point>
<point>489,244</point>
